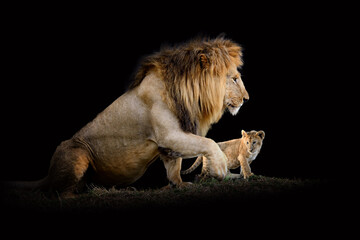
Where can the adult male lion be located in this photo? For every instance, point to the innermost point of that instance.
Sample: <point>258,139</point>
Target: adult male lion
<point>176,95</point>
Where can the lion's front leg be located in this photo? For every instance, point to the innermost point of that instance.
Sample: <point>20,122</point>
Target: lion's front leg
<point>173,168</point>
<point>169,135</point>
<point>190,145</point>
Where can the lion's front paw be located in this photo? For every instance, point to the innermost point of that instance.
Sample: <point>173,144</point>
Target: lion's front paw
<point>218,168</point>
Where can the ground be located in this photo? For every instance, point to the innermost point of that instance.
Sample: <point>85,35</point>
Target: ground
<point>258,207</point>
<point>259,192</point>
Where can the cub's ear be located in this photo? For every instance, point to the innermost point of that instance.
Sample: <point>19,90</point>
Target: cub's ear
<point>204,61</point>
<point>243,133</point>
<point>261,134</point>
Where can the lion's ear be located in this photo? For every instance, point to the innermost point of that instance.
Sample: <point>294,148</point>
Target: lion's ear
<point>243,133</point>
<point>261,134</point>
<point>204,61</point>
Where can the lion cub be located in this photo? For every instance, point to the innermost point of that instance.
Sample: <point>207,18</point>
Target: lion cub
<point>239,152</point>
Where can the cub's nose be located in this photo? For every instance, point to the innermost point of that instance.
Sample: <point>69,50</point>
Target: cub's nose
<point>245,100</point>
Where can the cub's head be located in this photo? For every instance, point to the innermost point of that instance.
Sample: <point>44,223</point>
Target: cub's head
<point>253,140</point>
<point>235,93</point>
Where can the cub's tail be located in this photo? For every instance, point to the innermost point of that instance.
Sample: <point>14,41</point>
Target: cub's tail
<point>198,161</point>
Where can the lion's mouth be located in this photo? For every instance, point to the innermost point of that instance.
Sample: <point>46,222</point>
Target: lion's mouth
<point>230,105</point>
<point>233,109</point>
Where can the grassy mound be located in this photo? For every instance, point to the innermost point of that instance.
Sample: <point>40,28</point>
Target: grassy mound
<point>229,195</point>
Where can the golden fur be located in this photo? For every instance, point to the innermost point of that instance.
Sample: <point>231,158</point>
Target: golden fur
<point>176,95</point>
<point>195,76</point>
<point>240,153</point>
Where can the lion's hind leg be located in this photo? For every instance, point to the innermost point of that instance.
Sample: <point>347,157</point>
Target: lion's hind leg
<point>68,166</point>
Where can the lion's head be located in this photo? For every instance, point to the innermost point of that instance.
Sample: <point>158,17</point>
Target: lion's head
<point>201,80</point>
<point>235,93</point>
<point>253,140</point>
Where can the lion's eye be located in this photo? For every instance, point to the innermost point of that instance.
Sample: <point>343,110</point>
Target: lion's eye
<point>235,79</point>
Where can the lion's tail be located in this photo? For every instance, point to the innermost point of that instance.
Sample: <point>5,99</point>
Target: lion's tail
<point>198,161</point>
<point>41,184</point>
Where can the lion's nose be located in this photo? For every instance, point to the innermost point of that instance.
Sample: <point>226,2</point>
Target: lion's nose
<point>245,100</point>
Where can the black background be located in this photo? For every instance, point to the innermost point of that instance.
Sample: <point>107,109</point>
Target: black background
<point>64,65</point>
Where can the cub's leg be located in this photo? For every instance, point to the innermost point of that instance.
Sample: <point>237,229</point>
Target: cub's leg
<point>245,168</point>
<point>241,171</point>
<point>205,171</point>
<point>230,175</point>
<point>68,165</point>
<point>173,167</point>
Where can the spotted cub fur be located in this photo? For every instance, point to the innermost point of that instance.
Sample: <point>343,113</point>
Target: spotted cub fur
<point>239,152</point>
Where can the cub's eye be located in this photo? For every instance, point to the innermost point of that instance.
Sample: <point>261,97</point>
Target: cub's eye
<point>247,142</point>
<point>235,79</point>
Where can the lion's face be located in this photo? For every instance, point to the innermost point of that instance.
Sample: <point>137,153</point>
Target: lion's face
<point>235,94</point>
<point>253,140</point>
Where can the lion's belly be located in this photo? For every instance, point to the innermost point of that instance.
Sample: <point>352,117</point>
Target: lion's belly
<point>121,138</point>
<point>124,165</point>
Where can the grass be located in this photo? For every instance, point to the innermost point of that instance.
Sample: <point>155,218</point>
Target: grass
<point>229,195</point>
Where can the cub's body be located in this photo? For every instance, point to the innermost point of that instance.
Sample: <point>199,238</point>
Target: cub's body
<point>239,152</point>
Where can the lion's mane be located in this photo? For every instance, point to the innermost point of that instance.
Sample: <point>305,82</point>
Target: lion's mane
<point>194,74</point>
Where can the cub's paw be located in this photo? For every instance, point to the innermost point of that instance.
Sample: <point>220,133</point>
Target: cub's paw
<point>248,176</point>
<point>254,177</point>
